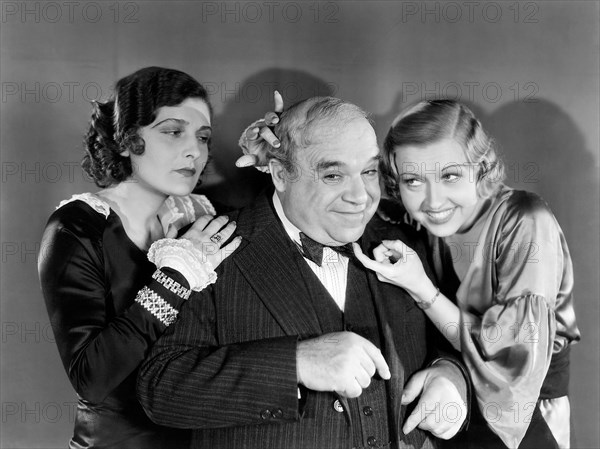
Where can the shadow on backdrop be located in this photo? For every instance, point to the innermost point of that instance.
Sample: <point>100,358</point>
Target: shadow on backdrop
<point>545,152</point>
<point>226,184</point>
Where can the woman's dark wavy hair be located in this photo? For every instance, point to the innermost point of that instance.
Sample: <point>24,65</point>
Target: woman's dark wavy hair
<point>428,122</point>
<point>115,124</point>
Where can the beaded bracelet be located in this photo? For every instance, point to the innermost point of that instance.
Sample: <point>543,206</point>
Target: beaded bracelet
<point>157,306</point>
<point>424,305</point>
<point>171,284</point>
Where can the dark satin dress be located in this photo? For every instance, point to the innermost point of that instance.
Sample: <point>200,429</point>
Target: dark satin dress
<point>90,273</point>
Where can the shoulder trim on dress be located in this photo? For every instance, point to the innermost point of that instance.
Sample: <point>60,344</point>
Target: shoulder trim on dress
<point>91,200</point>
<point>179,211</point>
<point>204,202</point>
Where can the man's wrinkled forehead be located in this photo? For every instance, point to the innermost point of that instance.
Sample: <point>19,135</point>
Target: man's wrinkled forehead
<point>330,147</point>
<point>327,134</point>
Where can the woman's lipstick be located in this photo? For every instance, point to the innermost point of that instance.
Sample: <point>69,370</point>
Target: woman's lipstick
<point>187,172</point>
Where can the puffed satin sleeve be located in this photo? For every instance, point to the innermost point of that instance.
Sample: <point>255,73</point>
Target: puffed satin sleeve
<point>509,347</point>
<point>99,348</point>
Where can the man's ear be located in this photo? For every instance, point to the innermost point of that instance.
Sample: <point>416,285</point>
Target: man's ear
<point>278,175</point>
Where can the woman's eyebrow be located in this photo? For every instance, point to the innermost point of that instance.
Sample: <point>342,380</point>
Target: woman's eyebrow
<point>177,120</point>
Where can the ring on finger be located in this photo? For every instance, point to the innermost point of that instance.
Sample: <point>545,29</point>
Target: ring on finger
<point>216,238</point>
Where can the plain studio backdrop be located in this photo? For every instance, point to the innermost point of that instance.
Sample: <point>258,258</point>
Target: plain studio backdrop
<point>529,70</point>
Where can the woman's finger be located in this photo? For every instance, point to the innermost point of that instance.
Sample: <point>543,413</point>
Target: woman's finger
<point>368,263</point>
<point>215,225</point>
<point>278,99</point>
<point>171,233</point>
<point>271,118</point>
<point>199,225</point>
<point>397,245</point>
<point>269,137</point>
<point>225,233</point>
<point>226,251</point>
<point>251,131</point>
<point>381,254</point>
<point>247,160</point>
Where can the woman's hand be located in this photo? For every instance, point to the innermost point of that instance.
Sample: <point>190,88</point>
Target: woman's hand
<point>208,233</point>
<point>258,132</point>
<point>395,263</point>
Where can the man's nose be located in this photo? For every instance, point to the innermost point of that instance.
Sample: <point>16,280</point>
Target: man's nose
<point>357,192</point>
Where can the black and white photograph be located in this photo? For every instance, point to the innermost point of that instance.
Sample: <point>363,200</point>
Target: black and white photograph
<point>336,224</point>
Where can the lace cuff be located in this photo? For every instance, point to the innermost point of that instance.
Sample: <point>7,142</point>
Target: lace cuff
<point>181,255</point>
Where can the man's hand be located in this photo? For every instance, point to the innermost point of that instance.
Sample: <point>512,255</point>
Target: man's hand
<point>441,408</point>
<point>343,362</point>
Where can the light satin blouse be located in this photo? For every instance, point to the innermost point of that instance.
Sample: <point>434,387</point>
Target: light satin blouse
<point>514,287</point>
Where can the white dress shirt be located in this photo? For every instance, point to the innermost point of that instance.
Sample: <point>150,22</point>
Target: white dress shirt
<point>333,272</point>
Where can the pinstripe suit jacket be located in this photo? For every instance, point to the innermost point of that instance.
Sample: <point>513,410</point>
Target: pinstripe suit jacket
<point>227,367</point>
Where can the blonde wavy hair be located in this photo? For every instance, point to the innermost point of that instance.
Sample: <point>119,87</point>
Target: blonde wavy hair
<point>428,122</point>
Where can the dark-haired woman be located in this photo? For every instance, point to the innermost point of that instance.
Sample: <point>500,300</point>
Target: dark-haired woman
<point>113,274</point>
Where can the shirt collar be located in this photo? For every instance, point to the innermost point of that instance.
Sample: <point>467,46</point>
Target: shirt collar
<point>291,230</point>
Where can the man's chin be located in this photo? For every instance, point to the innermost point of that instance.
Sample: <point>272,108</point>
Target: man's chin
<point>348,235</point>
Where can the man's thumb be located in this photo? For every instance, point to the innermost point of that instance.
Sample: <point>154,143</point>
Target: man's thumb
<point>413,388</point>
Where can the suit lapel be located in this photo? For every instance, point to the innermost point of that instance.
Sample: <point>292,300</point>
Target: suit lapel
<point>391,317</point>
<point>267,262</point>
<point>391,323</point>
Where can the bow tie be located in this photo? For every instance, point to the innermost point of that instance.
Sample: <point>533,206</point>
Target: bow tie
<point>313,251</point>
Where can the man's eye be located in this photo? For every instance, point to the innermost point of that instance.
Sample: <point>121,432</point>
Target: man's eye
<point>371,173</point>
<point>332,178</point>
<point>203,139</point>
